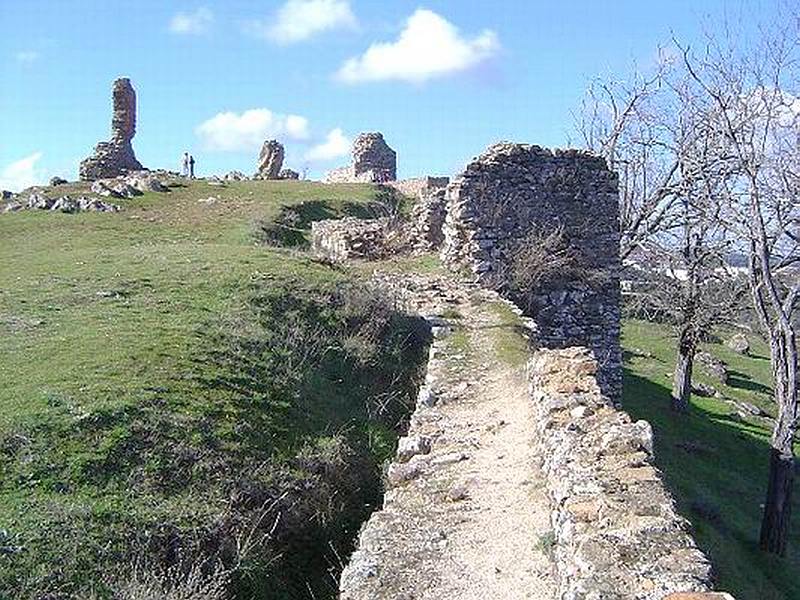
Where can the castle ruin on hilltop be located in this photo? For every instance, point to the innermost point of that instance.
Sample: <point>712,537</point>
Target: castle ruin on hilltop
<point>509,196</point>
<point>373,162</point>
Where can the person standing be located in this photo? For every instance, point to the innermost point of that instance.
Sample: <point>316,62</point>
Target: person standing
<point>185,164</point>
<point>191,166</point>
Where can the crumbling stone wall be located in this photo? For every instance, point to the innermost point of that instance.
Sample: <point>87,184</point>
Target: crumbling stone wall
<point>115,157</point>
<point>427,219</point>
<point>373,162</point>
<point>512,189</point>
<point>338,240</point>
<point>617,534</point>
<point>415,186</point>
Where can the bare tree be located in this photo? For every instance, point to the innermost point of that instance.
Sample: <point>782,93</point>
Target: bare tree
<point>752,98</point>
<point>691,286</point>
<point>657,136</point>
<point>622,121</point>
<point>743,103</point>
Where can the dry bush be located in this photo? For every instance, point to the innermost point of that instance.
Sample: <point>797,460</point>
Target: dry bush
<point>174,583</point>
<point>539,259</point>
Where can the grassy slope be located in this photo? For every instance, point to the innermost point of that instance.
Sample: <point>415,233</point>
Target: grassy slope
<point>103,316</point>
<point>715,463</point>
<point>102,304</point>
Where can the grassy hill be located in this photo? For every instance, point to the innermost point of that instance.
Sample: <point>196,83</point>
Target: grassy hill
<point>714,461</point>
<point>181,386</point>
<point>174,391</point>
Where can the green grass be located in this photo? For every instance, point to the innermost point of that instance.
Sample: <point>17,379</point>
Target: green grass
<point>714,462</point>
<point>144,406</point>
<point>511,347</point>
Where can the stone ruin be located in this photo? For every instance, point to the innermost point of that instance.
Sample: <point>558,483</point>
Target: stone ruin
<point>65,204</point>
<point>115,157</point>
<point>338,240</point>
<point>373,162</point>
<point>503,200</point>
<point>270,160</point>
<point>416,186</point>
<point>513,193</point>
<point>427,219</point>
<point>617,531</point>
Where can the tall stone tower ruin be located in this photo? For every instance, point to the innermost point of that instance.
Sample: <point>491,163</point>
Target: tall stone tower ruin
<point>116,156</point>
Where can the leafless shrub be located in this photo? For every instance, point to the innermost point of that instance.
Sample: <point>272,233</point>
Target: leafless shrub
<point>541,258</point>
<point>174,583</point>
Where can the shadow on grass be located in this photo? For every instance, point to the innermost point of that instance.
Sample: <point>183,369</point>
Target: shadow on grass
<point>631,353</point>
<point>716,468</point>
<point>291,227</point>
<point>743,381</point>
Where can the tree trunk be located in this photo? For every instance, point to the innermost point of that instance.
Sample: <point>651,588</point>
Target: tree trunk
<point>778,505</point>
<point>682,380</point>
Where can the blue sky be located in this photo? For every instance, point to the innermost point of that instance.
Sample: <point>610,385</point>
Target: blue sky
<point>441,79</point>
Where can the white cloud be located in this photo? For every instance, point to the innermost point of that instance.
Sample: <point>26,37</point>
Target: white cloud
<point>298,20</point>
<point>27,56</point>
<point>429,46</point>
<point>336,144</point>
<point>231,132</point>
<point>21,174</point>
<point>192,23</point>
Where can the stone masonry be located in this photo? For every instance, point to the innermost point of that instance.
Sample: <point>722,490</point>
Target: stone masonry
<point>270,160</point>
<point>427,220</point>
<point>338,240</point>
<point>617,533</point>
<point>115,157</point>
<point>586,471</point>
<point>415,186</point>
<point>373,162</point>
<point>512,189</point>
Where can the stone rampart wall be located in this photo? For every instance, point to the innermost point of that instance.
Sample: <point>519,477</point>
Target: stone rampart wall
<point>514,194</point>
<point>617,534</point>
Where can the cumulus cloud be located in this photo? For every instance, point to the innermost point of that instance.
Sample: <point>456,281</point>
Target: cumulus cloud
<point>428,47</point>
<point>231,132</point>
<point>27,56</point>
<point>336,144</point>
<point>192,23</point>
<point>299,20</point>
<point>21,174</point>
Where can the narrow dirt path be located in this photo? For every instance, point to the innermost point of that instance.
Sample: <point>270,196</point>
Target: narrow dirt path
<point>468,519</point>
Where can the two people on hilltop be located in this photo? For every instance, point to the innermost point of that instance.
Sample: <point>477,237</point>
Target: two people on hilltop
<point>187,166</point>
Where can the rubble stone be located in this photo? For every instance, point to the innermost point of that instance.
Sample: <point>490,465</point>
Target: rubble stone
<point>338,240</point>
<point>617,532</point>
<point>235,176</point>
<point>713,366</point>
<point>416,186</point>
<point>739,344</point>
<point>288,174</point>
